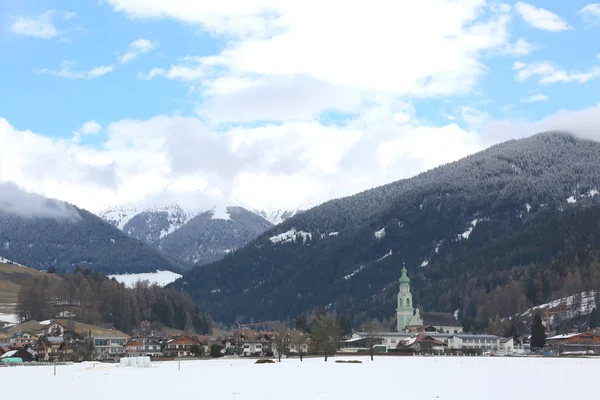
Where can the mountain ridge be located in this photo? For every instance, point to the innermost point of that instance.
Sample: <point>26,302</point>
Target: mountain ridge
<point>193,236</point>
<point>429,222</point>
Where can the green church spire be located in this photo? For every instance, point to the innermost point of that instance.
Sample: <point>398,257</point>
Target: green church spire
<point>404,278</point>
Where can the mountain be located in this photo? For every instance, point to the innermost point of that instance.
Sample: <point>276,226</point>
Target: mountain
<point>43,233</point>
<point>508,228</point>
<point>194,236</point>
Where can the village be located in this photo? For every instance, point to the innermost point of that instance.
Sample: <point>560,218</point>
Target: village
<point>417,333</point>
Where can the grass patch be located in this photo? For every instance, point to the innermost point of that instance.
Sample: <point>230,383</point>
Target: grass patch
<point>348,361</point>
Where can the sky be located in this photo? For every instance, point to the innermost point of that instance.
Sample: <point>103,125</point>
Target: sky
<point>276,103</point>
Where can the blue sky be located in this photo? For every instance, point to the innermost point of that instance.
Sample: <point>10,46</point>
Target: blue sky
<point>240,101</point>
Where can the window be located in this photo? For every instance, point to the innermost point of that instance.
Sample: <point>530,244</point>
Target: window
<point>393,340</point>
<point>258,346</point>
<point>246,346</point>
<point>408,302</point>
<point>400,302</point>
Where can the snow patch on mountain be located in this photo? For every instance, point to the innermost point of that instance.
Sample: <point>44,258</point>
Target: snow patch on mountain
<point>380,234</point>
<point>356,271</point>
<point>6,261</point>
<point>290,236</point>
<point>161,278</point>
<point>576,305</point>
<point>572,200</point>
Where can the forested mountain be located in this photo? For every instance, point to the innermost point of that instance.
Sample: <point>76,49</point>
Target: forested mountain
<point>193,237</point>
<point>494,233</point>
<point>77,239</point>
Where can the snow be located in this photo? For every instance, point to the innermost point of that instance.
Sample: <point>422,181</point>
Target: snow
<point>571,200</point>
<point>10,318</point>
<point>593,192</point>
<point>380,234</point>
<point>334,233</point>
<point>578,304</point>
<point>465,234</point>
<point>161,278</point>
<point>464,378</point>
<point>528,207</point>
<point>438,245</point>
<point>425,263</point>
<point>386,255</point>
<point>220,212</point>
<point>6,261</point>
<point>290,236</point>
<point>350,275</point>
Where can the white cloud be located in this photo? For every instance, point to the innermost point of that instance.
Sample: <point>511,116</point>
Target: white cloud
<point>519,48</point>
<point>41,26</point>
<point>272,41</point>
<point>66,71</point>
<point>549,73</point>
<point>541,18</point>
<point>305,161</point>
<point>90,128</point>
<point>137,47</point>
<point>591,13</point>
<point>536,98</point>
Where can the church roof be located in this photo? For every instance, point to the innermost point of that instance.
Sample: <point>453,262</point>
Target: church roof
<point>404,278</point>
<point>439,319</point>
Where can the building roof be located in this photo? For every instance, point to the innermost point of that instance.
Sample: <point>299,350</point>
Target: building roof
<point>404,278</point>
<point>440,319</point>
<point>563,336</point>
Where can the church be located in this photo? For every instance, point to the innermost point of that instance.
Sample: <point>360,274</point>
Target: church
<point>410,319</point>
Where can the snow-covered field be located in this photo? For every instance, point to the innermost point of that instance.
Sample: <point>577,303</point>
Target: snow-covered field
<point>10,318</point>
<point>161,278</point>
<point>385,378</point>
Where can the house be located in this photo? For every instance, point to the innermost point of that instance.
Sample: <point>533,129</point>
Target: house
<point>180,346</point>
<point>481,343</point>
<point>49,348</point>
<point>144,346</point>
<point>109,344</point>
<point>586,342</point>
<point>295,342</point>
<point>424,344</point>
<point>22,338</point>
<point>247,342</point>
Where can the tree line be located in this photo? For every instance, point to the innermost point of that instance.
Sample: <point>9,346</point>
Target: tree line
<point>91,297</point>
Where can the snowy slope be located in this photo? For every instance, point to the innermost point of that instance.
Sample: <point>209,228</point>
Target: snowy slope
<point>160,278</point>
<point>580,304</point>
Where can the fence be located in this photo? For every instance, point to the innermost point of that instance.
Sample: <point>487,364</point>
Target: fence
<point>36,364</point>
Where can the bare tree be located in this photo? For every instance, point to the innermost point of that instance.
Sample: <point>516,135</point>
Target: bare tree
<point>327,333</point>
<point>371,329</point>
<point>282,342</point>
<point>299,341</point>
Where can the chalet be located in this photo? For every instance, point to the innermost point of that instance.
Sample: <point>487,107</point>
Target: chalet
<point>247,342</point>
<point>295,342</point>
<point>49,348</point>
<point>22,338</point>
<point>180,346</point>
<point>144,346</point>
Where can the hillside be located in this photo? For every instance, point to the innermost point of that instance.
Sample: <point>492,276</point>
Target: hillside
<point>191,236</point>
<point>34,233</point>
<point>494,233</point>
<point>11,279</point>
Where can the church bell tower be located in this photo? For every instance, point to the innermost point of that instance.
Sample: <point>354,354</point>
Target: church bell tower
<point>405,309</point>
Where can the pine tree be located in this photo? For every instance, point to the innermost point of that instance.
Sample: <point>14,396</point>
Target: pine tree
<point>301,324</point>
<point>538,333</point>
<point>593,318</point>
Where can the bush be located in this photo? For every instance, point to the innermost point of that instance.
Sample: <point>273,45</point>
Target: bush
<point>215,351</point>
